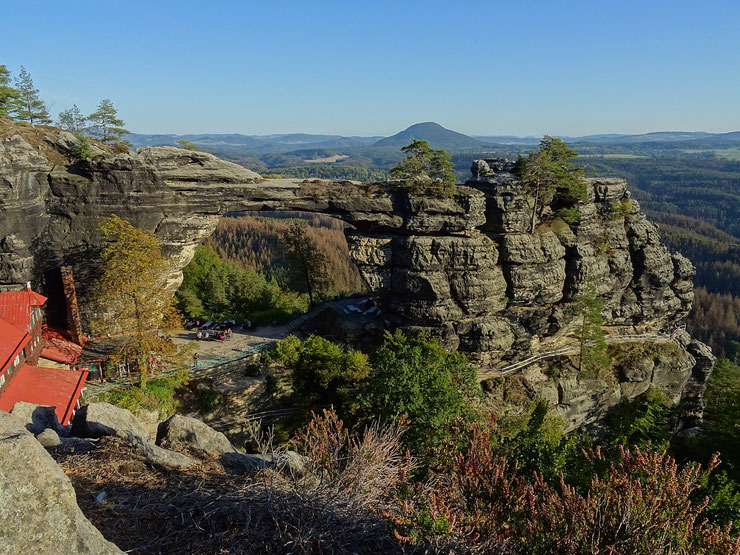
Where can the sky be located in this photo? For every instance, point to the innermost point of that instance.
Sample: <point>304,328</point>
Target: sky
<point>520,67</point>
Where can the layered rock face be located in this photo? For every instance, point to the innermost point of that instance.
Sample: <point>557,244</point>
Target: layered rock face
<point>487,287</point>
<point>39,508</point>
<point>466,269</point>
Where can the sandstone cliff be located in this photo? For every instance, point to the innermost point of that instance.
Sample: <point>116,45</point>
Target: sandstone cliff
<point>464,269</point>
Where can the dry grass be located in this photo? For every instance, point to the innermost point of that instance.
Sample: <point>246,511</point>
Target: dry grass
<point>36,136</point>
<point>329,509</point>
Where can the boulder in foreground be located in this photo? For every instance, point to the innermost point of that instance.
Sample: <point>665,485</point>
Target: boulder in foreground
<point>104,419</point>
<point>38,506</point>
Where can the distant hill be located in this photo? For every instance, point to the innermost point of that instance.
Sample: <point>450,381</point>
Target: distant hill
<point>438,137</point>
<point>507,139</point>
<point>656,137</point>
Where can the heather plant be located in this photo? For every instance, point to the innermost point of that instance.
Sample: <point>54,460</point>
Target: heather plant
<point>644,503</point>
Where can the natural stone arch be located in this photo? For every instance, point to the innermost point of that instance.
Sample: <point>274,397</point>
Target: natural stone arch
<point>462,268</point>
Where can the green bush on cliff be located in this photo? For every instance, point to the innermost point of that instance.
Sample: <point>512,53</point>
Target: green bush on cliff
<point>410,376</point>
<point>157,395</point>
<point>426,170</point>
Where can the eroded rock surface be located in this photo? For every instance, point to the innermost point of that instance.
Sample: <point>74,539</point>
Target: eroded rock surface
<point>191,431</point>
<point>103,419</point>
<point>38,507</point>
<point>465,269</point>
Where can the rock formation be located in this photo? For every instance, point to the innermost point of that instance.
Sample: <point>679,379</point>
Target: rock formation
<point>464,269</point>
<point>38,507</point>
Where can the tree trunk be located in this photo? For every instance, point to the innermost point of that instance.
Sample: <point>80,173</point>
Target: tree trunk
<point>309,285</point>
<point>583,342</point>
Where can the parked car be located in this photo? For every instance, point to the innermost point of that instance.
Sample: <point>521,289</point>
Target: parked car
<point>213,335</point>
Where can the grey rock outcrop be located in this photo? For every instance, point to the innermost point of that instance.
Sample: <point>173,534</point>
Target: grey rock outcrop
<point>193,432</point>
<point>103,419</point>
<point>37,418</point>
<point>288,462</point>
<point>96,420</point>
<point>161,456</point>
<point>38,507</point>
<point>49,438</point>
<point>465,269</point>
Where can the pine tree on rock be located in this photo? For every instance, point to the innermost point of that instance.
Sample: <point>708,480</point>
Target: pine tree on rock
<point>72,120</point>
<point>28,106</point>
<point>8,94</point>
<point>106,126</point>
<point>426,170</point>
<point>548,169</point>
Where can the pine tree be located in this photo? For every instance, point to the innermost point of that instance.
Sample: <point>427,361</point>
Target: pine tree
<point>546,170</point>
<point>106,125</point>
<point>426,170</point>
<point>72,120</point>
<point>8,94</point>
<point>308,262</point>
<point>29,107</point>
<point>133,298</point>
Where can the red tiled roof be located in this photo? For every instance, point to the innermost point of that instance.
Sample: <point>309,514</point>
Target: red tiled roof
<point>59,347</point>
<point>54,387</point>
<point>15,307</point>
<point>12,340</point>
<point>15,322</point>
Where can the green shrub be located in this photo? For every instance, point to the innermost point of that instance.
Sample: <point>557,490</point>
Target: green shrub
<point>82,149</point>
<point>416,377</point>
<point>324,373</point>
<point>570,215</point>
<point>215,289</point>
<point>207,400</point>
<point>272,386</point>
<point>157,395</point>
<point>645,420</point>
<point>620,208</point>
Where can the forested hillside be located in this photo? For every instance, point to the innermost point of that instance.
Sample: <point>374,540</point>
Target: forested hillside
<point>254,243</point>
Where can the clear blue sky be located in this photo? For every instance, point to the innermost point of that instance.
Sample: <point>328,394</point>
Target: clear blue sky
<point>373,68</point>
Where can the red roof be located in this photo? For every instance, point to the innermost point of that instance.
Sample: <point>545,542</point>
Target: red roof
<point>58,347</point>
<point>15,307</point>
<point>53,387</point>
<point>12,340</point>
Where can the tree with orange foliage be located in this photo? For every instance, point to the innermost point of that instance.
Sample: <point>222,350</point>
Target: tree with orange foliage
<point>134,301</point>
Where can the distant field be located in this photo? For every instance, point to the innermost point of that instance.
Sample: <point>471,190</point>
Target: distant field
<point>611,156</point>
<point>328,159</point>
<point>727,153</point>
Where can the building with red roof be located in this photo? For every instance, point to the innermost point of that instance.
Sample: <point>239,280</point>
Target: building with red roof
<point>21,344</point>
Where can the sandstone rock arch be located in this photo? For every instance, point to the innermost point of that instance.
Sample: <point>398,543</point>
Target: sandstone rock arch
<point>463,268</point>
